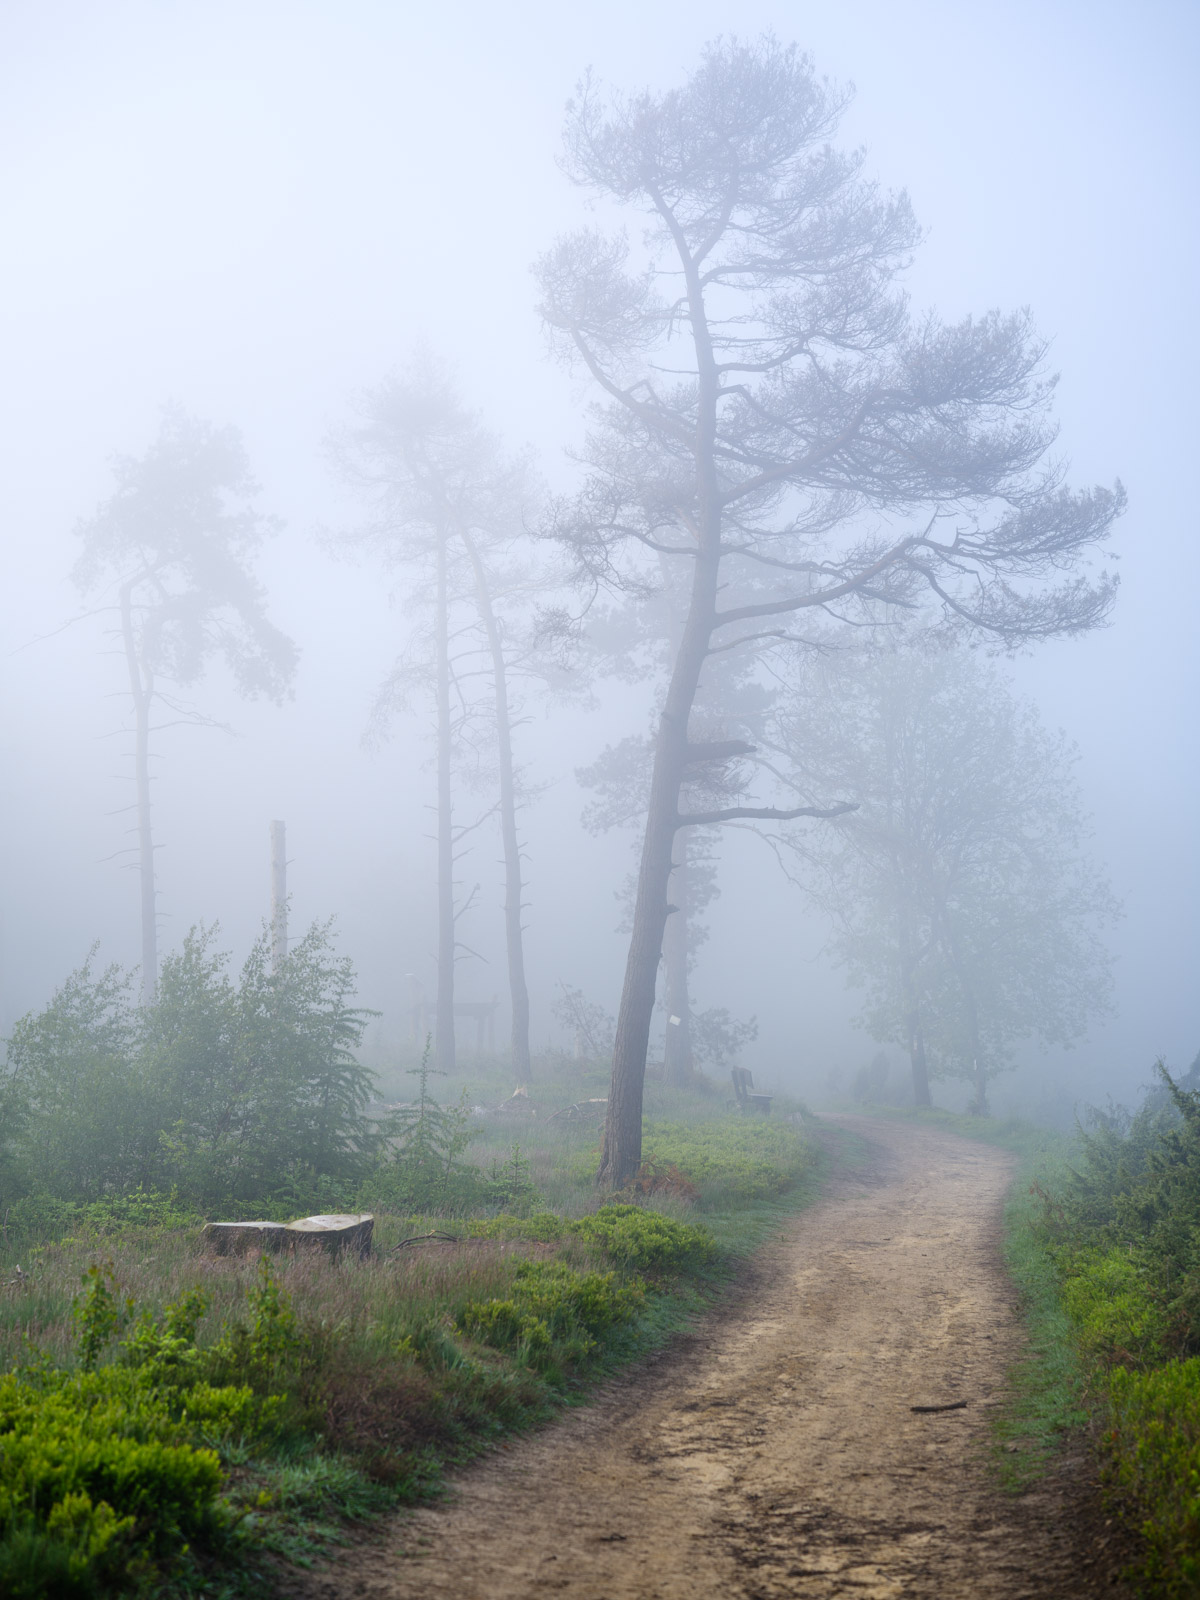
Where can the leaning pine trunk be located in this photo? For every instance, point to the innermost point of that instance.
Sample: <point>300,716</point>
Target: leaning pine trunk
<point>444,1042</point>
<point>513,887</point>
<point>141,687</point>
<point>621,1153</point>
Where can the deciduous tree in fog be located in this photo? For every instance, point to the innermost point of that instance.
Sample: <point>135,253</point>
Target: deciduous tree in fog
<point>448,508</point>
<point>772,418</point>
<point>964,901</point>
<point>173,546</point>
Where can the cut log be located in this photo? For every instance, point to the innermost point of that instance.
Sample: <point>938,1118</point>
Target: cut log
<point>334,1233</point>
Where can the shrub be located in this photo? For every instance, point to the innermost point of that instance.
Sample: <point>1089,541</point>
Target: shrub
<point>542,1227</point>
<point>1137,1189</point>
<point>1116,1316</point>
<point>268,1351</point>
<point>226,1090</point>
<point>81,1550</point>
<point>553,1314</point>
<point>645,1241</point>
<point>1155,1441</point>
<point>99,1313</point>
<point>97,1463</point>
<point>109,1471</point>
<point>1126,1239</point>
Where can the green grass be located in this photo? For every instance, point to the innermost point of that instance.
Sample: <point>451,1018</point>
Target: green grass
<point>1047,1386</point>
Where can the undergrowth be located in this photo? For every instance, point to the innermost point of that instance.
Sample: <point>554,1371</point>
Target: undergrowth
<point>170,1424</point>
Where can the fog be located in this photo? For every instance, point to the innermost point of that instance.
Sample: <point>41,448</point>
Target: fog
<point>259,210</point>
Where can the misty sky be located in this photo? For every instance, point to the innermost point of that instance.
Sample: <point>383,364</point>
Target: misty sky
<point>256,209</point>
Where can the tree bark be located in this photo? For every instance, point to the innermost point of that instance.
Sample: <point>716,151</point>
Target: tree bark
<point>444,1035</point>
<point>513,885</point>
<point>621,1152</point>
<point>678,1063</point>
<point>141,687</point>
<point>920,1066</point>
<point>916,1036</point>
<point>978,1105</point>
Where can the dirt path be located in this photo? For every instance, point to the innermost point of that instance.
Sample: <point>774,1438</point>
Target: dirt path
<point>776,1452</point>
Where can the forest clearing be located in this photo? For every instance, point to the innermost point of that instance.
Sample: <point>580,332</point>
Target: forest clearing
<point>598,941</point>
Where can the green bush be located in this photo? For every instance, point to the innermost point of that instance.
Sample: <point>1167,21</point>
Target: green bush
<point>1124,1233</point>
<point>268,1352</point>
<point>1108,1297</point>
<point>80,1551</point>
<point>1137,1189</point>
<point>542,1227</point>
<point>226,1091</point>
<point>553,1314</point>
<point>1155,1442</point>
<point>108,1472</point>
<point>644,1240</point>
<point>100,1464</point>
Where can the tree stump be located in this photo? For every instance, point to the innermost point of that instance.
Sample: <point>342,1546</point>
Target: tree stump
<point>334,1233</point>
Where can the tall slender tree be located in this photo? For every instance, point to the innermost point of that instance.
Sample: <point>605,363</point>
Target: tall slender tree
<point>507,800</point>
<point>773,419</point>
<point>173,546</point>
<point>449,505</point>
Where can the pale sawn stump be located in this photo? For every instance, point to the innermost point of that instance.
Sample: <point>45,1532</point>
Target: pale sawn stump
<point>335,1233</point>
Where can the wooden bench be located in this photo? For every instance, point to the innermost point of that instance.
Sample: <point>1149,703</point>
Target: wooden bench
<point>743,1087</point>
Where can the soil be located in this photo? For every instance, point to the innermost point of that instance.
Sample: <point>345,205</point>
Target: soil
<point>776,1451</point>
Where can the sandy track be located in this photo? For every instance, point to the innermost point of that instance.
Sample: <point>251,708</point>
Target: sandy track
<point>775,1451</point>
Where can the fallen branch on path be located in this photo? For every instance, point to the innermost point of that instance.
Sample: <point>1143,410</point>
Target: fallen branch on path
<point>951,1405</point>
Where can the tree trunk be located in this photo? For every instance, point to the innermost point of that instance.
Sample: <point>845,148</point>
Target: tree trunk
<point>978,1105</point>
<point>513,885</point>
<point>916,1036</point>
<point>444,1036</point>
<point>621,1152</point>
<point>141,687</point>
<point>920,1066</point>
<point>678,1063</point>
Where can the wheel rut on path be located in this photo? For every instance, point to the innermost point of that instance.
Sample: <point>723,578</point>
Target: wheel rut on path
<point>774,1451</point>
